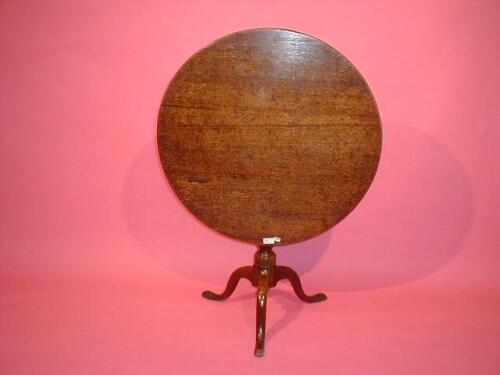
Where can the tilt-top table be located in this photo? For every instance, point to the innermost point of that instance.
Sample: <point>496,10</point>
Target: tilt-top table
<point>271,137</point>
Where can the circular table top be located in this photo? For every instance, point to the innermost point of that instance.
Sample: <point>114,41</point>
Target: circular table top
<point>269,132</point>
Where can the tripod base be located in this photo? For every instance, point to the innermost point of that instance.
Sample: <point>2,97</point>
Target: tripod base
<point>264,274</point>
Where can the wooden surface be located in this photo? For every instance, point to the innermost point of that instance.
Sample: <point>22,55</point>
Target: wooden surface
<point>264,275</point>
<point>269,132</point>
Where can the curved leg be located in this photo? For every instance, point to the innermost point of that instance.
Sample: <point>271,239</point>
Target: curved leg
<point>242,272</point>
<point>283,272</point>
<point>262,289</point>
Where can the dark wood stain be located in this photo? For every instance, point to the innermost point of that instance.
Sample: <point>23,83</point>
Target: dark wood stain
<point>264,275</point>
<point>269,132</point>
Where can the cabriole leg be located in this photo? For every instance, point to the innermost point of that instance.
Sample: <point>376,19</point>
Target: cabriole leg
<point>242,272</point>
<point>283,272</point>
<point>262,289</point>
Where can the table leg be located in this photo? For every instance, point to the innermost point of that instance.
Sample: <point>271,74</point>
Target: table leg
<point>242,272</point>
<point>262,289</point>
<point>284,272</point>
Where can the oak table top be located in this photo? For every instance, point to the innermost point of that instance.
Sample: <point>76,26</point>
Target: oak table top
<point>269,132</point>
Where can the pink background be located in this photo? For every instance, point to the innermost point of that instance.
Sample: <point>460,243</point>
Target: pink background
<point>102,268</point>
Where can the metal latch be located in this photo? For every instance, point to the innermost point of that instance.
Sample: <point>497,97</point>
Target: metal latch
<point>271,240</point>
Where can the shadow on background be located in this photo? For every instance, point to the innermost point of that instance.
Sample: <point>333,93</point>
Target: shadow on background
<point>414,219</point>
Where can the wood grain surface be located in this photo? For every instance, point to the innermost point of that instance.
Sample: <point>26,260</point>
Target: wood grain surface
<point>269,132</point>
